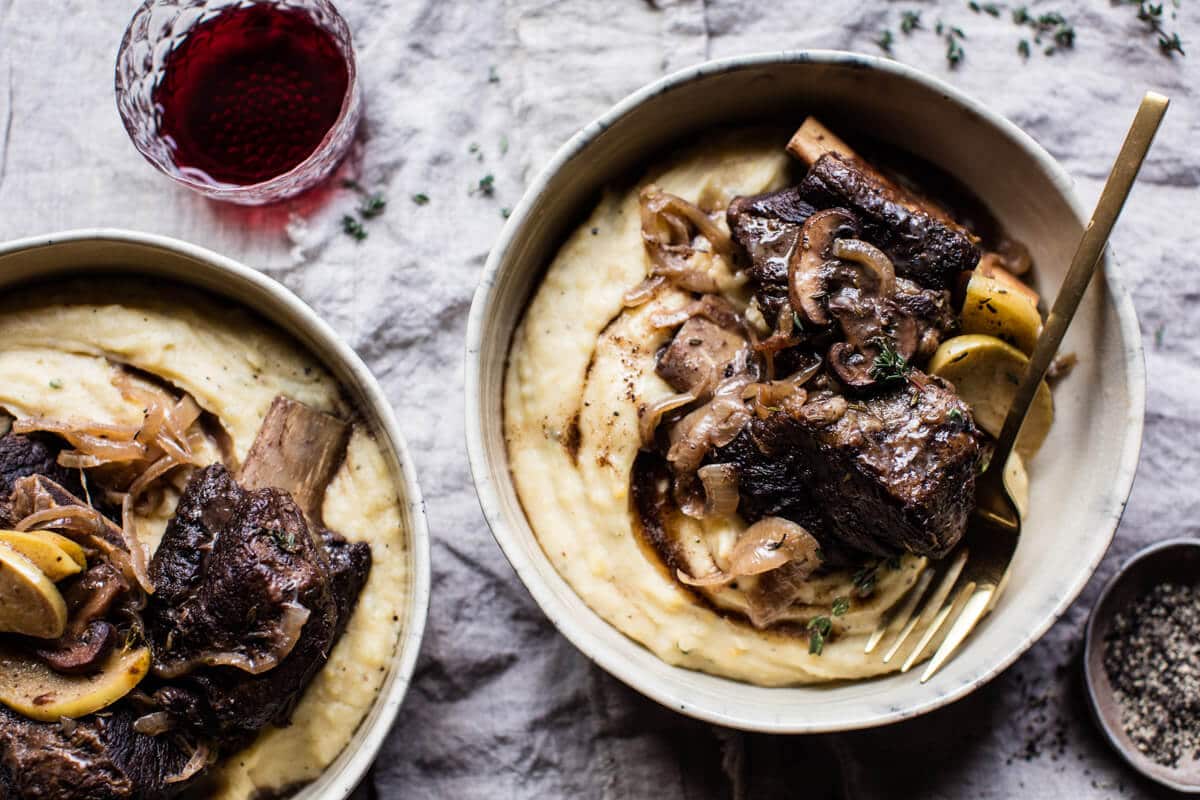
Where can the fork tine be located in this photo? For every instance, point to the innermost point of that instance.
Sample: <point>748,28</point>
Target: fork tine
<point>955,601</point>
<point>976,606</point>
<point>900,618</point>
<point>934,602</point>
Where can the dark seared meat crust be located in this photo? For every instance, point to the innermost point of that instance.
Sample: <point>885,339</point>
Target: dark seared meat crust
<point>767,227</point>
<point>922,248</point>
<point>229,564</point>
<point>102,758</point>
<point>894,473</point>
<point>22,456</point>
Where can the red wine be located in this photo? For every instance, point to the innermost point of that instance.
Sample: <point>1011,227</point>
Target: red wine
<point>251,93</point>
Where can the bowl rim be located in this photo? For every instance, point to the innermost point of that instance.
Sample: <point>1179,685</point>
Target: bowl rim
<point>1089,642</point>
<point>403,661</point>
<point>485,483</point>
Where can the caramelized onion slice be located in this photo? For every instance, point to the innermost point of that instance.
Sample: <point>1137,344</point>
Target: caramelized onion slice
<point>665,217</point>
<point>766,545</point>
<point>202,756</point>
<point>686,246</point>
<point>654,413</point>
<point>643,292</point>
<point>770,395</point>
<point>154,723</point>
<point>720,483</point>
<point>286,635</point>
<point>714,424</point>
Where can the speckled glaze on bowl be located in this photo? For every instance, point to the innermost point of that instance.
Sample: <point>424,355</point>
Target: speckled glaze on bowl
<point>109,252</point>
<point>1080,481</point>
<point>1170,561</point>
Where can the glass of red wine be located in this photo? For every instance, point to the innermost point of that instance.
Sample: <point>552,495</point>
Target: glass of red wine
<point>249,101</point>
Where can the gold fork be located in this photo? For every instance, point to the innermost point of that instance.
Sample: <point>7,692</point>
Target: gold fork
<point>969,581</point>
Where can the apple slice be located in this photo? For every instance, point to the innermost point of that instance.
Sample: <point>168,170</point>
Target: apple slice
<point>32,689</point>
<point>985,372</point>
<point>997,308</point>
<point>30,603</point>
<point>72,548</point>
<point>46,554</point>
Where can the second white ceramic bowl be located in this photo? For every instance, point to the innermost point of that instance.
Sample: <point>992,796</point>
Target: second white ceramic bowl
<point>1080,480</point>
<point>108,253</point>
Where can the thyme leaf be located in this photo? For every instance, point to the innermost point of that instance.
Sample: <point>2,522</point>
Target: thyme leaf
<point>819,629</point>
<point>373,206</point>
<point>353,228</point>
<point>889,366</point>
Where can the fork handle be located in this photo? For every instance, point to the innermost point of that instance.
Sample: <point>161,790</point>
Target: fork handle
<point>1083,266</point>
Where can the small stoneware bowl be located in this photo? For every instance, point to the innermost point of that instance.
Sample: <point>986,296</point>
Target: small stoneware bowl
<point>1173,561</point>
<point>108,252</point>
<point>1080,480</point>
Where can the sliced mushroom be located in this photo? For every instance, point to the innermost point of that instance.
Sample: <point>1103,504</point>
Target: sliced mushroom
<point>92,594</point>
<point>700,356</point>
<point>878,265</point>
<point>851,366</point>
<point>806,283</point>
<point>80,653</point>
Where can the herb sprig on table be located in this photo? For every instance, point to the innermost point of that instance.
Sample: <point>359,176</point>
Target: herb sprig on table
<point>372,206</point>
<point>1049,31</point>
<point>486,186</point>
<point>1152,15</point>
<point>953,37</point>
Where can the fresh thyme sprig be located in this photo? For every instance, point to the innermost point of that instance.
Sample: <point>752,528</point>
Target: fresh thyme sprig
<point>286,540</point>
<point>353,228</point>
<point>889,366</point>
<point>991,9</point>
<point>819,629</point>
<point>486,186</point>
<point>953,37</point>
<point>1152,15</point>
<point>1051,26</point>
<point>372,205</point>
<point>865,578</point>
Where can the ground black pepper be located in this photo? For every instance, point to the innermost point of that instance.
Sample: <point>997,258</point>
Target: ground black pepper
<point>1152,657</point>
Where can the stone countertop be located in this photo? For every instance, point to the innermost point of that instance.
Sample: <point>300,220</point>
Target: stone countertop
<point>501,705</point>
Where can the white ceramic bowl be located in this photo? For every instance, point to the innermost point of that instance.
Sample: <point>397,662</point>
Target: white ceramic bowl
<point>106,251</point>
<point>1080,480</point>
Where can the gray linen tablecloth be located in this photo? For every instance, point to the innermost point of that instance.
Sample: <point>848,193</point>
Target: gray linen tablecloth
<point>501,705</point>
